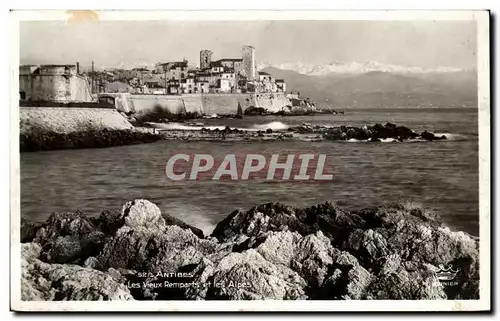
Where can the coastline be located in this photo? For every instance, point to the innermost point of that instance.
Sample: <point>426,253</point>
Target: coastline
<point>39,139</point>
<point>272,251</point>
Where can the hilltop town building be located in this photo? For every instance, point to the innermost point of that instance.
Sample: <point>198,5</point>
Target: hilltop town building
<point>281,85</point>
<point>141,73</point>
<point>225,75</point>
<point>235,64</point>
<point>173,70</point>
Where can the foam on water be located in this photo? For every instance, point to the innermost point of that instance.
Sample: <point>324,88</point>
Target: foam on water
<point>192,215</point>
<point>181,126</point>
<point>451,136</point>
<point>275,125</point>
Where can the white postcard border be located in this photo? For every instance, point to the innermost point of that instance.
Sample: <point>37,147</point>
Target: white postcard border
<point>483,304</point>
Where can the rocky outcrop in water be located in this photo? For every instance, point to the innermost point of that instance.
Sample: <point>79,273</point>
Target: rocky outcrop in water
<point>271,251</point>
<point>373,133</point>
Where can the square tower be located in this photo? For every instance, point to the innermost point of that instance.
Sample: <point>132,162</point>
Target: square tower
<point>205,59</point>
<point>248,55</point>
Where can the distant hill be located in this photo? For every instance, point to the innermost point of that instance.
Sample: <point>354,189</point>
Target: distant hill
<point>383,89</point>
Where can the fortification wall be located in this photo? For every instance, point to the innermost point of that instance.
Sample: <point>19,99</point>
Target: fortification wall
<point>57,88</point>
<point>208,104</point>
<point>193,104</point>
<point>80,89</point>
<point>123,101</point>
<point>226,104</point>
<point>44,87</point>
<point>273,102</point>
<point>66,120</point>
<point>145,103</point>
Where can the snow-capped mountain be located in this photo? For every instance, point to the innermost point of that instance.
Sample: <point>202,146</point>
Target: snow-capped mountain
<point>353,68</point>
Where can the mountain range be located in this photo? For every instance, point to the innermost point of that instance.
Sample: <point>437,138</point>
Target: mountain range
<point>343,85</point>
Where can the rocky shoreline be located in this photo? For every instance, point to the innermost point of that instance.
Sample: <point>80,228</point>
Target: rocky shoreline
<point>39,140</point>
<point>271,251</point>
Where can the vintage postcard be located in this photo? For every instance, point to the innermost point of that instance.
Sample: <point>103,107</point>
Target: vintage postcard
<point>250,161</point>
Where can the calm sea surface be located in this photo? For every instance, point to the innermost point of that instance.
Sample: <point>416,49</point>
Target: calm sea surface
<point>440,175</point>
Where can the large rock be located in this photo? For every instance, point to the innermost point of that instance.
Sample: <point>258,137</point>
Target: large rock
<point>149,253</point>
<point>142,212</point>
<point>68,238</point>
<point>413,235</point>
<point>272,251</point>
<point>249,276</point>
<point>41,281</point>
<point>28,230</point>
<point>327,217</point>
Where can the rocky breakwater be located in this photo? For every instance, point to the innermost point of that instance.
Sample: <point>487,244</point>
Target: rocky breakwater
<point>271,251</point>
<point>375,133</point>
<point>225,134</point>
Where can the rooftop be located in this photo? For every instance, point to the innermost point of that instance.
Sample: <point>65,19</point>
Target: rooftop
<point>66,65</point>
<point>217,63</point>
<point>174,64</point>
<point>203,74</point>
<point>229,59</point>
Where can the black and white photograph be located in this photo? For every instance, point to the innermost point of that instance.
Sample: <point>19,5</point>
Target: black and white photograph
<point>321,160</point>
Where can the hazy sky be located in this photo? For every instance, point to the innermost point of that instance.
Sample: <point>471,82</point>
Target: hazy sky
<point>425,43</point>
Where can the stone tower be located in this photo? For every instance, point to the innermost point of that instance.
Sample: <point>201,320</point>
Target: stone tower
<point>205,59</point>
<point>248,55</point>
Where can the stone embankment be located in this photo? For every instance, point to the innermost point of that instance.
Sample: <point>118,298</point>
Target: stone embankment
<point>66,120</point>
<point>271,251</point>
<point>47,128</point>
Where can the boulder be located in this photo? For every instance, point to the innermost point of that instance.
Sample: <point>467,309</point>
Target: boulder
<point>170,246</point>
<point>248,276</point>
<point>430,136</point>
<point>334,133</point>
<point>144,213</point>
<point>405,133</point>
<point>327,217</point>
<point>68,238</point>
<point>63,224</point>
<point>28,230</point>
<point>255,111</point>
<point>41,281</point>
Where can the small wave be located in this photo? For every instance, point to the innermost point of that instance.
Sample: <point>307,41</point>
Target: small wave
<point>452,137</point>
<point>180,126</point>
<point>192,215</point>
<point>275,125</point>
<point>382,140</point>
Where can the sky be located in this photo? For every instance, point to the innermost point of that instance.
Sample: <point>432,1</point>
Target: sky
<point>426,44</point>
